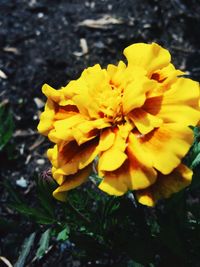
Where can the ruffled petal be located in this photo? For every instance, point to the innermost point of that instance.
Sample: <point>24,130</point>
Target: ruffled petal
<point>132,175</point>
<point>167,145</point>
<point>116,182</point>
<point>72,182</point>
<point>58,96</point>
<point>134,94</point>
<point>145,122</point>
<point>46,118</point>
<point>114,157</point>
<point>178,104</point>
<point>68,158</point>
<point>140,168</point>
<point>62,129</point>
<point>149,56</point>
<point>165,186</point>
<point>107,138</point>
<point>165,78</point>
<point>135,173</point>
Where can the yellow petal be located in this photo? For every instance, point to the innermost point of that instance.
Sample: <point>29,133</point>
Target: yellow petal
<point>88,129</point>
<point>68,158</point>
<point>107,138</point>
<point>63,112</point>
<point>51,93</point>
<point>145,122</point>
<point>167,75</point>
<point>140,171</point>
<point>135,93</point>
<point>47,118</point>
<point>178,104</point>
<point>117,73</point>
<point>166,185</point>
<point>132,175</point>
<point>115,183</point>
<point>167,145</point>
<point>149,56</point>
<point>56,96</point>
<point>72,182</point>
<point>63,128</point>
<point>111,159</point>
<point>114,157</point>
<point>145,197</point>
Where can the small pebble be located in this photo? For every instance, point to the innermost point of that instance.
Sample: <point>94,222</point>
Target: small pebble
<point>40,161</point>
<point>40,15</point>
<point>22,182</point>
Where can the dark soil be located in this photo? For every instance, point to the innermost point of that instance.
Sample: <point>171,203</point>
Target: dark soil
<point>39,41</point>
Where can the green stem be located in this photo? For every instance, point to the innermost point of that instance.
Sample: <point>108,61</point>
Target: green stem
<point>78,213</point>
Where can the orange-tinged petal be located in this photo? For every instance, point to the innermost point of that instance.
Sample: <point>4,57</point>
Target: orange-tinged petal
<point>87,130</point>
<point>135,173</point>
<point>72,182</point>
<point>140,168</point>
<point>111,159</point>
<point>132,175</point>
<point>62,130</point>
<point>178,104</point>
<point>135,93</point>
<point>149,56</point>
<point>167,145</point>
<point>115,183</point>
<point>68,158</point>
<point>114,157</point>
<point>166,185</point>
<point>168,75</point>
<point>107,138</point>
<point>145,122</point>
<point>63,112</point>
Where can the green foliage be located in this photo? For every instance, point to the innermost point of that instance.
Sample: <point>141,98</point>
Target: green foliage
<point>25,250</point>
<point>43,243</point>
<point>193,157</point>
<point>64,234</point>
<point>6,127</point>
<point>19,204</point>
<point>100,225</point>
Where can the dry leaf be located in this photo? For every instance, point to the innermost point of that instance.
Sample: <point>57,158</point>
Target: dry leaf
<point>101,23</point>
<point>3,75</point>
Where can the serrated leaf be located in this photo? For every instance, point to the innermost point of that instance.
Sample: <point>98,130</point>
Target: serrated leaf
<point>15,196</point>
<point>64,234</point>
<point>43,243</point>
<point>196,161</point>
<point>6,127</point>
<point>26,247</point>
<point>45,189</point>
<point>37,214</point>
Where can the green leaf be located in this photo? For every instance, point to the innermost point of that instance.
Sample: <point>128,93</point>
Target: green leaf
<point>45,189</point>
<point>25,250</point>
<point>43,243</point>
<point>64,234</point>
<point>37,214</point>
<point>196,161</point>
<point>6,127</point>
<point>132,263</point>
<point>13,193</point>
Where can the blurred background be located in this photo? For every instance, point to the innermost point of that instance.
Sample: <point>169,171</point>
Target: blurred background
<point>47,41</point>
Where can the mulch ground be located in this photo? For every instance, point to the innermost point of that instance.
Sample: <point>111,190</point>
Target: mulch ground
<point>53,41</point>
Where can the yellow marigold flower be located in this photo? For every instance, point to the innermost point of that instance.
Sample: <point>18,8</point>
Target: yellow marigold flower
<point>133,117</point>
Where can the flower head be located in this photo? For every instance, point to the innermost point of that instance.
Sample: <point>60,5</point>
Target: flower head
<point>133,117</point>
